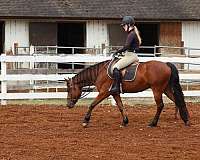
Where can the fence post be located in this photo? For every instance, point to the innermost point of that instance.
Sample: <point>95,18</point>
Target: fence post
<point>154,50</point>
<point>3,81</point>
<point>73,52</point>
<point>188,56</point>
<point>31,66</point>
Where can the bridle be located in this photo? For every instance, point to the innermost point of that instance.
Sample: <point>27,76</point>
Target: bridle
<point>84,94</point>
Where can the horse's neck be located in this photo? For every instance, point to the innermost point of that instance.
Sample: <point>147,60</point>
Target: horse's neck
<point>89,75</point>
<point>83,82</point>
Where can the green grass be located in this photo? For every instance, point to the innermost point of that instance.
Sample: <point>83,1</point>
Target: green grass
<point>53,102</point>
<point>127,101</point>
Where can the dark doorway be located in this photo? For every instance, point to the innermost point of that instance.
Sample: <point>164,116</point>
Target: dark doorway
<point>117,36</point>
<point>43,33</point>
<point>71,35</point>
<point>150,36</point>
<point>2,37</point>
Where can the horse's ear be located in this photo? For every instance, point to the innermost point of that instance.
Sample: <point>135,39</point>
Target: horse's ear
<point>67,81</point>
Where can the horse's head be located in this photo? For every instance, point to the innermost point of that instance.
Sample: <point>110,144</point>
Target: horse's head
<point>74,92</point>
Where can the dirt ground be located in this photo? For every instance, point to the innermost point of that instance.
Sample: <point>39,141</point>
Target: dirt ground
<point>50,132</point>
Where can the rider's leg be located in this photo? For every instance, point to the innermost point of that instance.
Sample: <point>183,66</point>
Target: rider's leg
<point>116,84</point>
<point>128,58</point>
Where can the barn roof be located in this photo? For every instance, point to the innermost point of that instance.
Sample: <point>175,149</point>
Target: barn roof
<point>101,9</point>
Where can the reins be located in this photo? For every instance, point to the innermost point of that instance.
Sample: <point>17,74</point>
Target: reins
<point>86,92</point>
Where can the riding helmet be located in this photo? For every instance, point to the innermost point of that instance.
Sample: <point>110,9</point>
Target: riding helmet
<point>129,20</point>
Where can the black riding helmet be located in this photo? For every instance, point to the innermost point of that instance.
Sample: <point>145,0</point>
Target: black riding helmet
<point>129,20</point>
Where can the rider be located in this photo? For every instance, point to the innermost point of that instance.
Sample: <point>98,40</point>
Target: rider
<point>133,41</point>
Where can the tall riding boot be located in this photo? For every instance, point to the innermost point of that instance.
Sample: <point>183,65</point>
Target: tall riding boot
<point>116,84</point>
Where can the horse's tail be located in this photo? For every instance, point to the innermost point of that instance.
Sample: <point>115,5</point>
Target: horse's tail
<point>178,93</point>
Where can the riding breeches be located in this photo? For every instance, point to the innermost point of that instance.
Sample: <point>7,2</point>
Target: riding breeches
<point>129,57</point>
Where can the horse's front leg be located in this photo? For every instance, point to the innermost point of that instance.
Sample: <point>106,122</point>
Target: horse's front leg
<point>121,109</point>
<point>97,100</point>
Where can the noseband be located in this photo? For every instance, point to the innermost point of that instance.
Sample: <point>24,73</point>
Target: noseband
<point>84,94</point>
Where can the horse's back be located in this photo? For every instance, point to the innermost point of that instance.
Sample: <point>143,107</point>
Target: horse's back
<point>155,66</point>
<point>155,71</point>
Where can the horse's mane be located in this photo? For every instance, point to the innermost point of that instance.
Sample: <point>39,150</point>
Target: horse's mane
<point>89,74</point>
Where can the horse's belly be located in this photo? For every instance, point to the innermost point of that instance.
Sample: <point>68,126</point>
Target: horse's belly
<point>129,87</point>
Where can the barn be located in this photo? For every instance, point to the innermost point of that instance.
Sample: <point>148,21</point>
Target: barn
<point>95,23</point>
<point>31,131</point>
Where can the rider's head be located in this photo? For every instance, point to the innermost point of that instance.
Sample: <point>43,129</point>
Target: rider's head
<point>127,22</point>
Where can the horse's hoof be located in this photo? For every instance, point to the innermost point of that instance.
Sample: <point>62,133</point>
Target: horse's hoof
<point>187,124</point>
<point>84,124</point>
<point>125,121</point>
<point>151,125</point>
<point>123,125</point>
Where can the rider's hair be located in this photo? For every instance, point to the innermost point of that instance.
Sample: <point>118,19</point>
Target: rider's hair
<point>138,35</point>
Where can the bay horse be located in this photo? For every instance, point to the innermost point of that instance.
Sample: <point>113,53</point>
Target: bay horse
<point>159,76</point>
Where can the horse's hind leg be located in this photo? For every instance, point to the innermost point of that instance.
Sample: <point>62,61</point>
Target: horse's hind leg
<point>160,105</point>
<point>168,92</point>
<point>121,109</point>
<point>97,100</point>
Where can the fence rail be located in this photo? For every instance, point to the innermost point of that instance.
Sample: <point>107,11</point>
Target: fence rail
<point>155,50</point>
<point>5,77</point>
<point>90,58</point>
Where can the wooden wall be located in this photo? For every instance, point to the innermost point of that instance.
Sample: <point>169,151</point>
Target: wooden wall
<point>96,33</point>
<point>191,36</point>
<point>170,35</point>
<point>16,31</point>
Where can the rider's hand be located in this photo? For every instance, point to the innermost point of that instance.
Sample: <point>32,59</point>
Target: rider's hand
<point>115,54</point>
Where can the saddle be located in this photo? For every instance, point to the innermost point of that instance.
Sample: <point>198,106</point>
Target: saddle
<point>127,74</point>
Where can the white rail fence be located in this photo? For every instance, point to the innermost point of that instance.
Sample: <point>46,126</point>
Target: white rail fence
<point>77,58</point>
